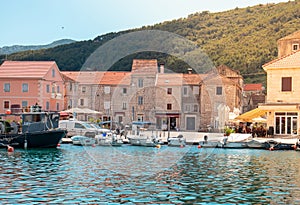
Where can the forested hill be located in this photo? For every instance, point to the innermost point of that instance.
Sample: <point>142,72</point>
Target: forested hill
<point>243,39</point>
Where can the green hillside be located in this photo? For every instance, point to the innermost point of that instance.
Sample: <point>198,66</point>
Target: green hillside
<point>243,39</point>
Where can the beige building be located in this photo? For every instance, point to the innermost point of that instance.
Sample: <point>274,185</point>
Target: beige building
<point>282,105</point>
<point>148,93</point>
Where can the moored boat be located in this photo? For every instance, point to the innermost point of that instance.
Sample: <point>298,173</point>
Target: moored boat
<point>33,129</point>
<point>178,141</point>
<point>108,139</point>
<point>280,144</point>
<point>257,143</point>
<point>141,136</point>
<point>82,140</point>
<point>235,140</point>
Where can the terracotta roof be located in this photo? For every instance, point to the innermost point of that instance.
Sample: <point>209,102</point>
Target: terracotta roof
<point>253,87</point>
<point>115,78</point>
<point>193,79</point>
<point>25,69</point>
<point>169,79</point>
<point>84,77</point>
<point>289,61</point>
<point>144,66</point>
<point>295,35</point>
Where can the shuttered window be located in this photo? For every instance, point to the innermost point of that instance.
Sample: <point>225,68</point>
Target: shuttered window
<point>286,84</point>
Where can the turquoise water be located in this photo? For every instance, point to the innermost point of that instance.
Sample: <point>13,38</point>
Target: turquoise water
<point>138,175</point>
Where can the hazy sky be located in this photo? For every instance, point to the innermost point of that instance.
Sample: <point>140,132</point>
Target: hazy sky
<point>32,22</point>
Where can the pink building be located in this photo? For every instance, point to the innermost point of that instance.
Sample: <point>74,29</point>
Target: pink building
<point>25,83</point>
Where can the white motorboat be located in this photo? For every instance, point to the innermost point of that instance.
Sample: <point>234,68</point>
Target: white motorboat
<point>235,140</point>
<point>178,141</point>
<point>82,140</point>
<point>108,139</point>
<point>211,140</point>
<point>141,136</point>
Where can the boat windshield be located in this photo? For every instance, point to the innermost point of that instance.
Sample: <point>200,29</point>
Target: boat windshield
<point>87,125</point>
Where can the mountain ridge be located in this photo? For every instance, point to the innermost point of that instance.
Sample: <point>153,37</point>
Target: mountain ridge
<point>19,48</point>
<point>242,38</point>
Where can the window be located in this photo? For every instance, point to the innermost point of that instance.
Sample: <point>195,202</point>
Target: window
<point>295,47</point>
<point>53,73</point>
<point>79,126</point>
<point>106,89</point>
<point>141,83</point>
<point>107,105</point>
<point>48,88</point>
<point>286,84</point>
<point>196,90</point>
<point>219,91</point>
<point>124,106</point>
<point>70,103</point>
<point>71,86</point>
<point>169,91</point>
<point>185,91</point>
<point>187,108</point>
<point>195,108</point>
<point>169,106</point>
<point>124,90</point>
<point>57,106</point>
<point>81,102</point>
<point>6,105</point>
<point>286,123</point>
<point>83,89</point>
<point>25,87</point>
<point>140,100</point>
<point>24,103</point>
<point>47,105</point>
<point>6,87</point>
<point>58,89</point>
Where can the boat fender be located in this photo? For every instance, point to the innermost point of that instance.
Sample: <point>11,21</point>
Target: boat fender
<point>271,148</point>
<point>199,146</point>
<point>158,146</point>
<point>10,149</point>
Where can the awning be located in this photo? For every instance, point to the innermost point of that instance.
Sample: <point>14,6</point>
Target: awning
<point>248,116</point>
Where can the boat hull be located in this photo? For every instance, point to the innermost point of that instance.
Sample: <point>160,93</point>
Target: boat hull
<point>40,139</point>
<point>142,142</point>
<point>176,142</point>
<point>83,140</point>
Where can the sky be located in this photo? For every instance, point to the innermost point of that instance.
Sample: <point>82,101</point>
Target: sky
<point>39,22</point>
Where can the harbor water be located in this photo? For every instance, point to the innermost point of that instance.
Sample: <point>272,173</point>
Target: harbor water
<point>146,175</point>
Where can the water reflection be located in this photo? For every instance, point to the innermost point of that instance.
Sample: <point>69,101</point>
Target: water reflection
<point>72,175</point>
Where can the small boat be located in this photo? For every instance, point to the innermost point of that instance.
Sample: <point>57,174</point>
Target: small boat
<point>280,144</point>
<point>141,136</point>
<point>108,139</point>
<point>211,140</point>
<point>235,140</point>
<point>32,128</point>
<point>178,141</point>
<point>82,140</point>
<point>257,143</point>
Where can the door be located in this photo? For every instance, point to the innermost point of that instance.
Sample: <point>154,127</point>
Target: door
<point>190,123</point>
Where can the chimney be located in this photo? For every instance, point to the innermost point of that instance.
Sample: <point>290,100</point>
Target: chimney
<point>189,70</point>
<point>162,68</point>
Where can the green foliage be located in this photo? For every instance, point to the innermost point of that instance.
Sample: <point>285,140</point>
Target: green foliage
<point>243,39</point>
